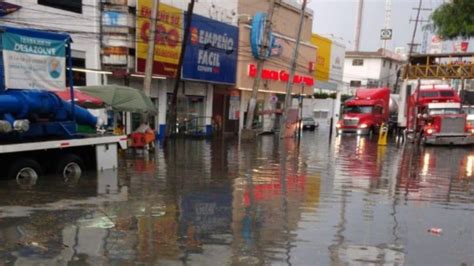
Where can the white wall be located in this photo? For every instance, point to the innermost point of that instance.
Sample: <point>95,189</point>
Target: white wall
<point>84,28</point>
<point>372,69</point>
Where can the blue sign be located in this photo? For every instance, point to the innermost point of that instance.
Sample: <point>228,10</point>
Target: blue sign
<point>256,38</point>
<point>33,59</point>
<point>211,54</point>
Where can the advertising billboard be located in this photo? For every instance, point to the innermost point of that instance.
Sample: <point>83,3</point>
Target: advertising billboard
<point>33,61</point>
<point>211,54</point>
<point>323,57</point>
<point>338,54</point>
<point>169,35</point>
<point>329,62</point>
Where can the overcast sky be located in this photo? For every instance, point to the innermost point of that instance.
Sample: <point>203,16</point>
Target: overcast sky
<point>337,18</point>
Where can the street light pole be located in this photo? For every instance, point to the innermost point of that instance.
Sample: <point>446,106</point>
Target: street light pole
<point>289,85</point>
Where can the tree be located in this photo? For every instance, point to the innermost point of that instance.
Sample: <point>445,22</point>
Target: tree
<point>454,19</point>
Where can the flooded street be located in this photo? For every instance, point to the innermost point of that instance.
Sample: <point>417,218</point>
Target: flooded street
<point>216,202</point>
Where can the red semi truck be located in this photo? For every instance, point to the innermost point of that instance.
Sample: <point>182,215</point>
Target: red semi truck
<point>436,116</point>
<point>366,112</point>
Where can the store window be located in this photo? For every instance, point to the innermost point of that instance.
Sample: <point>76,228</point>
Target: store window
<point>190,114</point>
<point>69,5</point>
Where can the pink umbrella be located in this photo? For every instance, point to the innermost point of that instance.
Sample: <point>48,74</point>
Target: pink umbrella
<point>81,98</point>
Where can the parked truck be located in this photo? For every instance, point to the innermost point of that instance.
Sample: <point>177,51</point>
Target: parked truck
<point>436,117</point>
<point>38,130</point>
<point>366,112</point>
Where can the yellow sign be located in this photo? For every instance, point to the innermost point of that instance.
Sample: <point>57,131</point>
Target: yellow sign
<point>169,35</point>
<point>323,57</point>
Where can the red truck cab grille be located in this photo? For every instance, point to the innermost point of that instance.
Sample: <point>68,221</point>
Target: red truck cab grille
<point>351,122</point>
<point>452,125</point>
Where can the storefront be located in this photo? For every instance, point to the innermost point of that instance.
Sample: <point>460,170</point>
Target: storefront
<point>274,78</point>
<point>210,62</point>
<point>226,110</point>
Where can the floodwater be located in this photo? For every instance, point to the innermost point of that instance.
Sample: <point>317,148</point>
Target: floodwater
<point>197,202</point>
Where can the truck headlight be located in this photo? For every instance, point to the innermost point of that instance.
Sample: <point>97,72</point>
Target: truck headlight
<point>472,130</point>
<point>429,131</point>
<point>363,126</point>
<point>338,125</point>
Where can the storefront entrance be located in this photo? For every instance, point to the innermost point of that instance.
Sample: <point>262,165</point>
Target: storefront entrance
<point>190,115</point>
<point>225,111</point>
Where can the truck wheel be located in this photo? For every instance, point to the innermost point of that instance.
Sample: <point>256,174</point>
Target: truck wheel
<point>70,168</point>
<point>25,171</point>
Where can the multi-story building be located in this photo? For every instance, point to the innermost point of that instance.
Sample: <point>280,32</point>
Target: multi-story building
<point>110,47</point>
<point>276,68</point>
<point>80,18</point>
<point>371,69</point>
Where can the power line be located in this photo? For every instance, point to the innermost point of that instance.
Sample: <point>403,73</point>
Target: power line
<point>412,44</point>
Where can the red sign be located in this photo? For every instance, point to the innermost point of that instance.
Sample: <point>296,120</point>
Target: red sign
<point>280,75</point>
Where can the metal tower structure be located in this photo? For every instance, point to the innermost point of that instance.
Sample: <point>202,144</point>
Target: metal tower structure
<point>387,21</point>
<point>358,24</point>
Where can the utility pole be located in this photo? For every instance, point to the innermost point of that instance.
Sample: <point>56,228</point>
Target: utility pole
<point>151,53</point>
<point>172,118</point>
<point>412,44</point>
<point>289,85</point>
<point>360,12</point>
<point>247,132</point>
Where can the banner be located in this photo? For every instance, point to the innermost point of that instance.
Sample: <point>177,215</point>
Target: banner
<point>33,63</point>
<point>211,54</point>
<point>436,46</point>
<point>329,62</point>
<point>338,54</point>
<point>169,32</point>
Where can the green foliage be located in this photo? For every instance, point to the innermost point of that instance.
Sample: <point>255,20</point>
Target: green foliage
<point>323,95</point>
<point>455,19</point>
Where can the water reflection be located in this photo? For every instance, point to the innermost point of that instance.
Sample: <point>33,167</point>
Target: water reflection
<point>270,202</point>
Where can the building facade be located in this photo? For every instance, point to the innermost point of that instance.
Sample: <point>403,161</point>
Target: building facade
<point>277,67</point>
<point>78,18</point>
<point>370,70</point>
<point>111,43</point>
<point>205,63</point>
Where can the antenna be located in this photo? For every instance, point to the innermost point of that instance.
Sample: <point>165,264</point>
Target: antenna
<point>387,21</point>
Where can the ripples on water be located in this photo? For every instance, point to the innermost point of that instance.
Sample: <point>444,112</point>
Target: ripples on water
<point>216,202</point>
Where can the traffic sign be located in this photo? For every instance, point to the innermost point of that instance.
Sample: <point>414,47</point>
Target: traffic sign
<point>386,34</point>
<point>273,99</point>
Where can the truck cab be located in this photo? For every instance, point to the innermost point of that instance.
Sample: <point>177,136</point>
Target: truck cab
<point>366,112</point>
<point>440,118</point>
<point>469,111</point>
